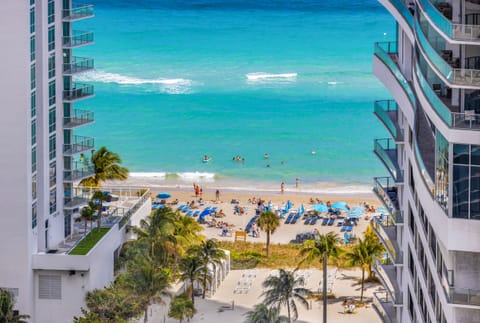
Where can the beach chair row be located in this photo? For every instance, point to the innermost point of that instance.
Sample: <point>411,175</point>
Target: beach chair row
<point>328,221</point>
<point>311,221</point>
<point>346,228</point>
<point>292,218</point>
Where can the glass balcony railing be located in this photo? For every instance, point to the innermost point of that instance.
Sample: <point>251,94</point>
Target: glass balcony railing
<point>387,234</point>
<point>79,144</point>
<point>74,202</point>
<point>78,91</point>
<point>388,54</point>
<point>78,38</point>
<point>78,65</point>
<point>463,296</point>
<point>453,31</point>
<point>386,112</point>
<point>387,274</point>
<point>387,194</point>
<point>402,9</point>
<point>383,305</point>
<point>423,170</point>
<point>386,151</point>
<point>456,76</point>
<point>79,172</point>
<point>78,11</point>
<point>78,118</point>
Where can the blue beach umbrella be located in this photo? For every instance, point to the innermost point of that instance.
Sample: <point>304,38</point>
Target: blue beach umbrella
<point>302,209</point>
<point>163,195</point>
<point>320,207</point>
<point>382,210</point>
<point>356,212</point>
<point>340,206</point>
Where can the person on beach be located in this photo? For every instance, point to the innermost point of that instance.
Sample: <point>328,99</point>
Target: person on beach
<point>282,187</point>
<point>217,196</point>
<point>296,182</point>
<point>200,192</point>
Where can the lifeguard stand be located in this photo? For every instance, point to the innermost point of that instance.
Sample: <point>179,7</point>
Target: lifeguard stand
<point>240,236</point>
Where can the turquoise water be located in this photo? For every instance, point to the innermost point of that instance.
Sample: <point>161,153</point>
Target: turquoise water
<point>177,80</point>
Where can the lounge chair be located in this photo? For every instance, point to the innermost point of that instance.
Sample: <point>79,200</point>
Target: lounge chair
<point>196,213</point>
<point>189,213</point>
<point>314,221</point>
<point>343,228</point>
<point>325,221</point>
<point>307,221</point>
<point>349,228</point>
<point>331,222</point>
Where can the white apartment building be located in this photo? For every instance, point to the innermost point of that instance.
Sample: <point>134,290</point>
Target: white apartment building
<point>432,232</point>
<point>41,161</point>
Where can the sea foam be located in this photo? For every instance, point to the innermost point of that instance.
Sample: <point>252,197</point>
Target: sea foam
<point>267,77</point>
<point>170,86</point>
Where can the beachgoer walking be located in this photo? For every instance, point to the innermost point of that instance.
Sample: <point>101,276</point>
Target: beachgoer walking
<point>282,187</point>
<point>217,195</point>
<point>201,192</point>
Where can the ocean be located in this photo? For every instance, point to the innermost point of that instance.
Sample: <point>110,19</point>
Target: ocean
<point>177,80</point>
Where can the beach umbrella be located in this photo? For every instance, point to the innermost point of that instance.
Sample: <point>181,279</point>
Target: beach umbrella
<point>382,210</point>
<point>302,209</point>
<point>320,207</point>
<point>356,212</point>
<point>340,206</point>
<point>163,195</point>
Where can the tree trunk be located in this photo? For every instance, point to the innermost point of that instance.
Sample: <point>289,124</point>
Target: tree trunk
<point>191,287</point>
<point>145,320</point>
<point>363,280</point>
<point>204,284</point>
<point>268,243</point>
<point>100,207</point>
<point>86,223</point>
<point>288,310</point>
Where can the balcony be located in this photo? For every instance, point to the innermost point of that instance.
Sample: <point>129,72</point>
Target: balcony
<point>77,39</point>
<point>441,15</point>
<point>78,65</point>
<point>78,118</point>
<point>79,172</point>
<point>77,12</point>
<point>74,202</point>
<point>386,151</point>
<point>387,274</point>
<point>78,91</point>
<point>387,112</point>
<point>457,77</point>
<point>387,194</point>
<point>79,144</point>
<point>387,53</point>
<point>387,233</point>
<point>384,307</point>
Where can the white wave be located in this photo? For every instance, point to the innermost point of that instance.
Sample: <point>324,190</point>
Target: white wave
<point>196,176</point>
<point>171,86</point>
<point>266,77</point>
<point>148,175</point>
<point>334,83</point>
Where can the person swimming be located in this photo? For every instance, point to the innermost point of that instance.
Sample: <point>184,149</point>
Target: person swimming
<point>313,152</point>
<point>266,156</point>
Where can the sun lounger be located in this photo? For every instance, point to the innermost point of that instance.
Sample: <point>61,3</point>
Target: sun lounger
<point>331,222</point>
<point>314,221</point>
<point>344,227</point>
<point>349,228</point>
<point>294,220</point>
<point>189,213</point>
<point>196,213</point>
<point>325,221</point>
<point>307,221</point>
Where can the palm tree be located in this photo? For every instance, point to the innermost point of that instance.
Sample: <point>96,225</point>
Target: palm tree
<point>148,281</point>
<point>262,314</point>
<point>375,247</point>
<point>208,253</point>
<point>181,308</point>
<point>268,222</point>
<point>107,167</point>
<point>7,314</point>
<point>87,215</point>
<point>98,198</point>
<point>360,256</point>
<point>283,290</point>
<point>314,249</point>
<point>158,231</point>
<point>191,271</point>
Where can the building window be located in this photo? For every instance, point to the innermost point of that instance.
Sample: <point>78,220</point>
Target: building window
<point>67,221</point>
<point>53,200</point>
<point>51,38</point>
<point>49,287</point>
<point>34,132</point>
<point>466,181</point>
<point>32,48</point>
<point>34,215</point>
<point>33,104</point>
<point>51,93</point>
<point>441,170</point>
<point>34,187</point>
<point>34,159</point>
<point>51,66</point>
<point>52,120</point>
<point>51,11</point>
<point>32,2</point>
<point>53,173</point>
<point>32,19</point>
<point>52,146</point>
<point>32,76</point>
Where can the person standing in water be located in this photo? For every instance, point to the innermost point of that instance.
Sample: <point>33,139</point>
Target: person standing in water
<point>296,182</point>
<point>282,187</point>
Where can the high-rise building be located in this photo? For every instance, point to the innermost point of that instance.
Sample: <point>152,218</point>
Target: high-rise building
<point>42,157</point>
<point>431,227</point>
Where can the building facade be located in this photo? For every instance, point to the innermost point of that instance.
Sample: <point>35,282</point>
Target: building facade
<point>431,269</point>
<point>42,158</point>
